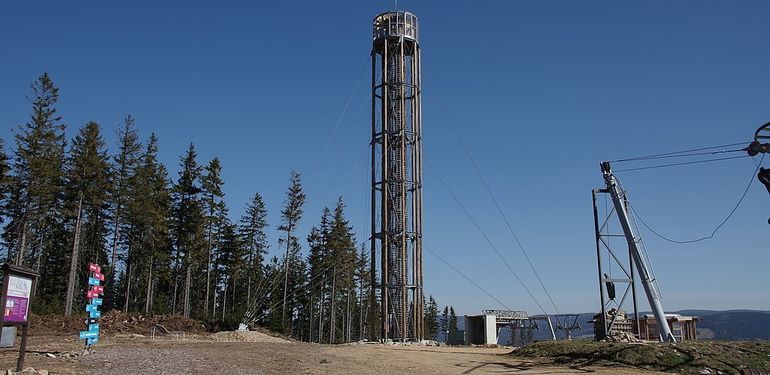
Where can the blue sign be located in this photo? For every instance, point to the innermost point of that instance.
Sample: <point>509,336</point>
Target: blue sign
<point>94,291</point>
<point>88,335</point>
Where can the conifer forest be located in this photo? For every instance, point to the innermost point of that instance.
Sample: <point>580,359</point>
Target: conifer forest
<point>166,243</point>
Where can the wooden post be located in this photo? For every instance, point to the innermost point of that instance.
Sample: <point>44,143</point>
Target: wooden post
<point>22,348</point>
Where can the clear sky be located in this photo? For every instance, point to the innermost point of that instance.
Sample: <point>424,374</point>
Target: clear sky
<point>540,91</point>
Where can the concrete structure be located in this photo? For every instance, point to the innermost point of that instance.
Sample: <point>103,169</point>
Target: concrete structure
<point>480,329</point>
<point>396,188</point>
<point>484,329</point>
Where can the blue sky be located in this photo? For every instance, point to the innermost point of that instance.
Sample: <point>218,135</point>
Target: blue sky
<point>540,91</point>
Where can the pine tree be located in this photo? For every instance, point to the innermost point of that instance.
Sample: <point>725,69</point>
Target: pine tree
<point>364,281</point>
<point>213,201</point>
<point>231,260</point>
<point>5,182</point>
<point>342,250</point>
<point>252,231</point>
<point>290,216</point>
<point>188,220</point>
<point>35,233</point>
<point>88,182</point>
<point>431,319</point>
<point>126,163</point>
<point>452,319</point>
<point>317,260</point>
<point>444,323</point>
<point>5,178</point>
<point>146,235</point>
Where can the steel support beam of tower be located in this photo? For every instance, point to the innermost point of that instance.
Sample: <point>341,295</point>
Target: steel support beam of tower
<point>645,275</point>
<point>396,179</point>
<point>607,295</point>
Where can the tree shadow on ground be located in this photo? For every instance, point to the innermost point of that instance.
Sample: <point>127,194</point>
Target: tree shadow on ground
<point>508,368</point>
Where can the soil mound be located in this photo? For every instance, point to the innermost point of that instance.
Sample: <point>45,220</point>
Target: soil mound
<point>114,322</point>
<point>246,336</point>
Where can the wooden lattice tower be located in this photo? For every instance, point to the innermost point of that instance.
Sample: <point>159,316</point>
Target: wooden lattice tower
<point>396,179</point>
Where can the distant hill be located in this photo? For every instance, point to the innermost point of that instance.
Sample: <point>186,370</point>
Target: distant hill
<point>732,324</point>
<point>716,325</point>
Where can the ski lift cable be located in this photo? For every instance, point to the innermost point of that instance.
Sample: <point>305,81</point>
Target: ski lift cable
<point>680,164</point>
<point>453,268</point>
<point>496,203</point>
<point>339,120</point>
<point>677,153</point>
<point>721,224</point>
<point>486,237</point>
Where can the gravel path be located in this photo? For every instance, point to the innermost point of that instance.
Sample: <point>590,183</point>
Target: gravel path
<point>205,355</point>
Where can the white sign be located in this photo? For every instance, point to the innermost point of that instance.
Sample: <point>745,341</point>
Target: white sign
<point>19,286</point>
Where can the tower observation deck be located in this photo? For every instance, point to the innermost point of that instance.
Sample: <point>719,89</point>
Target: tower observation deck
<point>396,189</point>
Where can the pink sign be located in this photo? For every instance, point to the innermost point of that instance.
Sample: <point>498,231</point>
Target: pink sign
<point>16,309</point>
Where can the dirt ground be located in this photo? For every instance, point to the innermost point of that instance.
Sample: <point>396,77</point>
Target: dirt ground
<point>127,354</point>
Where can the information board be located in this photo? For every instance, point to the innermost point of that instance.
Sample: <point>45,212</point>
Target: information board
<point>17,299</point>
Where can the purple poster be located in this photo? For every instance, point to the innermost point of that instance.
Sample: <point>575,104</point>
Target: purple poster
<point>15,309</point>
<point>17,300</point>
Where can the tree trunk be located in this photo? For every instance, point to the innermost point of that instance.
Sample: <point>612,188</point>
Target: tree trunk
<point>215,292</point>
<point>361,308</point>
<point>321,303</point>
<point>173,300</point>
<point>333,312</point>
<point>208,274</point>
<point>310,321</point>
<point>115,238</point>
<point>250,270</point>
<point>129,269</point>
<point>286,274</point>
<point>224,301</point>
<point>148,298</point>
<point>74,261</point>
<point>232,305</point>
<point>188,280</point>
<point>347,339</point>
<point>23,242</point>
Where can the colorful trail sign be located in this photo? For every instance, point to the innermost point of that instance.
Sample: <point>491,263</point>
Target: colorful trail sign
<point>95,290</point>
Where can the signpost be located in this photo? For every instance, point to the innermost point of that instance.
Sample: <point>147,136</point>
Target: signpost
<point>18,284</point>
<point>95,290</point>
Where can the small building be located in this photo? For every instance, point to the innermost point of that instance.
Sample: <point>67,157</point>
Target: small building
<point>484,329</point>
<point>684,328</point>
<point>480,329</point>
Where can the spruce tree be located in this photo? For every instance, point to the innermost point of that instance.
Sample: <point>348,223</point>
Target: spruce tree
<point>364,281</point>
<point>342,250</point>
<point>431,318</point>
<point>126,163</point>
<point>38,181</point>
<point>231,261</point>
<point>146,235</point>
<point>5,177</point>
<point>34,234</point>
<point>444,323</point>
<point>188,220</point>
<point>252,230</point>
<point>88,181</point>
<point>213,201</point>
<point>317,260</point>
<point>290,216</point>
